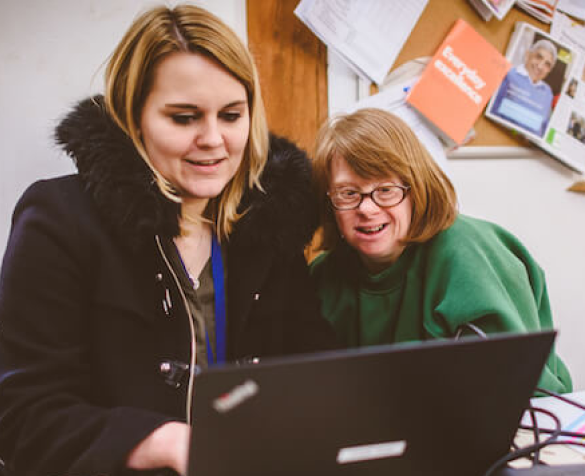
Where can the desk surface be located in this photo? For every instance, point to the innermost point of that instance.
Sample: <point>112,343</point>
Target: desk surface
<point>572,419</point>
<point>553,455</point>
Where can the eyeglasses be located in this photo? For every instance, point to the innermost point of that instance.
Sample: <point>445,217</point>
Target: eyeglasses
<point>385,196</point>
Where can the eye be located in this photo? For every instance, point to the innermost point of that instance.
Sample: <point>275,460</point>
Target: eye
<point>347,193</point>
<point>388,190</point>
<point>230,116</point>
<point>184,119</point>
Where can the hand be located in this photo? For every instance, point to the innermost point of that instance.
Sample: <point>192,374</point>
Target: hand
<point>165,447</point>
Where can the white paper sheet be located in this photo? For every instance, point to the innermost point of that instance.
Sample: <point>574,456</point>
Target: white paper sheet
<point>540,9</point>
<point>367,34</point>
<point>574,8</point>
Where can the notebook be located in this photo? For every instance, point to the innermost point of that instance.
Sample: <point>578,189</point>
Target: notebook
<point>436,408</point>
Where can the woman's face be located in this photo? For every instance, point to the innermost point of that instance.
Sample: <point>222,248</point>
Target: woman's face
<point>195,125</point>
<point>373,231</point>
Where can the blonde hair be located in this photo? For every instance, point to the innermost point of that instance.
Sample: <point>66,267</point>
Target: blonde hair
<point>375,144</point>
<point>153,36</point>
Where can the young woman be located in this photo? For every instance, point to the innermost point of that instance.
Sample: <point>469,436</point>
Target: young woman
<point>177,245</point>
<point>402,264</point>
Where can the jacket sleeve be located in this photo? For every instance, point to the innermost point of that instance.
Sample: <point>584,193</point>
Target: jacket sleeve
<point>48,423</point>
<point>487,278</point>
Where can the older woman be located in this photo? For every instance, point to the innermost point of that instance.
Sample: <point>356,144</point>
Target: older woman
<point>177,245</point>
<point>401,263</point>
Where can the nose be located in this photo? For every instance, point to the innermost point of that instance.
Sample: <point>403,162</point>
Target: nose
<point>368,205</point>
<point>209,135</point>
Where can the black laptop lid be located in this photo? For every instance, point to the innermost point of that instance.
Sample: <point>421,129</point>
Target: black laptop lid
<point>437,408</point>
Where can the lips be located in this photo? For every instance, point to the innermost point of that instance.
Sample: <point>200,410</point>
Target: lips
<point>204,162</point>
<point>371,230</point>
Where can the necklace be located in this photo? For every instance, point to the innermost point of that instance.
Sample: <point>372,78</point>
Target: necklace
<point>195,281</point>
<point>194,252</point>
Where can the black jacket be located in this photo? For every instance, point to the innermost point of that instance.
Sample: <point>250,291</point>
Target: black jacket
<point>91,319</point>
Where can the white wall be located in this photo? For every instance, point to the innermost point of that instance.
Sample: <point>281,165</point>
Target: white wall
<point>52,54</point>
<point>528,197</point>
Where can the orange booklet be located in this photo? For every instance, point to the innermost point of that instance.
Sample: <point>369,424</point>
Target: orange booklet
<point>458,81</point>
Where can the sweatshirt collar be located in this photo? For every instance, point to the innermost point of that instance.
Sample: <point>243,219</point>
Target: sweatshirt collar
<point>389,278</point>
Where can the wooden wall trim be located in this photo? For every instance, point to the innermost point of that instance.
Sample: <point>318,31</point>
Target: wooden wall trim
<point>292,65</point>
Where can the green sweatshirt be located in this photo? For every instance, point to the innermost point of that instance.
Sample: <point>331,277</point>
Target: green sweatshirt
<point>473,272</point>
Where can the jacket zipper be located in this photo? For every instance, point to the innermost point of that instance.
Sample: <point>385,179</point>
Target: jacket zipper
<point>190,386</point>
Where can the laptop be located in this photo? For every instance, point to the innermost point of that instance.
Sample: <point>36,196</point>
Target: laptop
<point>435,408</point>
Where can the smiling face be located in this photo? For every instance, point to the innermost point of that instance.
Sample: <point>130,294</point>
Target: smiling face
<point>539,63</point>
<point>195,125</point>
<point>373,231</point>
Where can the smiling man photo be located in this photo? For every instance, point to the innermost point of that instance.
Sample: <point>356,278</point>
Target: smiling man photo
<point>524,98</point>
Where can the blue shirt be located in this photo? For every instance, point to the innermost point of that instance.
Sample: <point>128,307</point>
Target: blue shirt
<point>524,103</point>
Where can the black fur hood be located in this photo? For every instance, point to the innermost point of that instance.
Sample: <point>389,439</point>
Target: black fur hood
<point>282,218</point>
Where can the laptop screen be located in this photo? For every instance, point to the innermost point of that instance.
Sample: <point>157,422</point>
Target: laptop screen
<point>434,408</point>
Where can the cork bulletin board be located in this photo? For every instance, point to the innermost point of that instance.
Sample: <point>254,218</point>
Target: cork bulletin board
<point>292,62</point>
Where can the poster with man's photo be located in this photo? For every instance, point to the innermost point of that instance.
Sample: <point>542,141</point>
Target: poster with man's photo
<point>539,93</point>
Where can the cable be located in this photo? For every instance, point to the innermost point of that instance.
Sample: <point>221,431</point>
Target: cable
<point>568,434</point>
<point>528,450</point>
<point>472,327</point>
<point>561,397</point>
<point>524,452</point>
<point>536,433</point>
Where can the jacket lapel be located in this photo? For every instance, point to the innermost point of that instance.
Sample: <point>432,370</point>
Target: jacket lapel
<point>247,271</point>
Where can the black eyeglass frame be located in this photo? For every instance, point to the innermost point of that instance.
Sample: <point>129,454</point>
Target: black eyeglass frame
<point>405,189</point>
